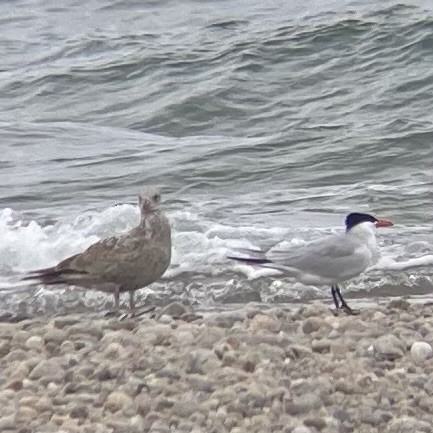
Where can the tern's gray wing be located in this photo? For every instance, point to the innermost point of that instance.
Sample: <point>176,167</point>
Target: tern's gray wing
<point>339,256</point>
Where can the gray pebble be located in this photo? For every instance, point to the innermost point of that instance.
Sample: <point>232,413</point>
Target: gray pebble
<point>35,342</point>
<point>79,412</point>
<point>66,321</point>
<point>313,324</point>
<point>408,424</point>
<point>303,404</point>
<point>49,369</point>
<point>5,348</point>
<point>321,346</point>
<point>57,336</point>
<point>202,361</point>
<point>175,310</point>
<point>388,347</point>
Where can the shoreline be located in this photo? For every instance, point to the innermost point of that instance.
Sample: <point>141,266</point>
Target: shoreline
<point>249,369</point>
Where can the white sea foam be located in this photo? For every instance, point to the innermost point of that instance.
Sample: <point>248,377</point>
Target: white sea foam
<point>387,263</point>
<point>200,249</point>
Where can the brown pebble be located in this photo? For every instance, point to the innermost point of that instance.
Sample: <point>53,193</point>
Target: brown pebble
<point>317,423</point>
<point>16,385</point>
<point>249,366</point>
<point>312,324</point>
<point>79,412</point>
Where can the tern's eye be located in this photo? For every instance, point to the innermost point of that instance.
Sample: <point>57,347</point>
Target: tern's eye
<point>156,197</point>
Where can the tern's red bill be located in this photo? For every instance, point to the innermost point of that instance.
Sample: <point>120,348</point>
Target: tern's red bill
<point>384,223</point>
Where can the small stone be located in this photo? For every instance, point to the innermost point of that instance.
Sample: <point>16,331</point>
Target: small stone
<point>301,429</point>
<point>200,383</point>
<point>43,404</point>
<point>48,368</point>
<point>372,417</point>
<point>104,373</point>
<point>117,400</point>
<point>339,350</point>
<point>165,318</point>
<point>388,347</point>
<point>298,351</point>
<point>56,336</point>
<point>35,342</point>
<point>249,365</point>
<point>66,321</point>
<point>114,351</point>
<point>321,346</point>
<point>314,309</point>
<point>312,324</point>
<point>79,412</point>
<point>316,422</point>
<point>303,404</point>
<point>163,404</point>
<point>345,387</point>
<point>160,426</point>
<point>408,424</point>
<point>70,426</point>
<point>25,414</point>
<point>191,317</point>
<point>86,330</point>
<point>184,337</point>
<point>136,422</point>
<point>7,423</point>
<point>184,409</point>
<point>174,310</point>
<point>5,348</point>
<point>263,322</point>
<point>67,347</point>
<point>16,355</point>
<point>399,304</point>
<point>143,404</point>
<point>202,361</point>
<point>58,419</point>
<point>421,351</point>
<point>16,385</point>
<point>7,330</point>
<point>51,348</point>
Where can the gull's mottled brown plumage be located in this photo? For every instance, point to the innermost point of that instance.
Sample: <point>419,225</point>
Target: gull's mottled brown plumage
<point>119,264</point>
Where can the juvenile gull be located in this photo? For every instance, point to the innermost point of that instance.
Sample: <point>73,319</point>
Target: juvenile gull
<point>331,260</point>
<point>120,264</point>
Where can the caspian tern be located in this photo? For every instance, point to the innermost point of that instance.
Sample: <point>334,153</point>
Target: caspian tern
<point>328,261</point>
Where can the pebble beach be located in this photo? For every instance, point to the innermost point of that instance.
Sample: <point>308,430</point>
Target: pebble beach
<point>297,370</point>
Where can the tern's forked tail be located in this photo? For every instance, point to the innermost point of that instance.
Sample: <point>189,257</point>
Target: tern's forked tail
<point>252,257</point>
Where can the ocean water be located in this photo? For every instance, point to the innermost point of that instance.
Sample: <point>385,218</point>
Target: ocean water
<point>262,121</point>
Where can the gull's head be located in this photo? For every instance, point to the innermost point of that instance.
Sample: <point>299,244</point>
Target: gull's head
<point>359,221</point>
<point>149,199</point>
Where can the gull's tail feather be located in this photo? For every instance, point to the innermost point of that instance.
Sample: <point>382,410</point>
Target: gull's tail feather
<point>53,276</point>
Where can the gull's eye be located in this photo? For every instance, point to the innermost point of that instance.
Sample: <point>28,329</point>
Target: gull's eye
<point>156,197</point>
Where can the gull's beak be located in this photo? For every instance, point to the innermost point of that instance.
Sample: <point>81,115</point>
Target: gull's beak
<point>384,223</point>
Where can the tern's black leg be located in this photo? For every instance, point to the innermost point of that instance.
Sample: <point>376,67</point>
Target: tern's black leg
<point>344,303</point>
<point>334,297</point>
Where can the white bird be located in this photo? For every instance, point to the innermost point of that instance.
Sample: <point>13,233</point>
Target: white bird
<point>119,264</point>
<point>328,261</point>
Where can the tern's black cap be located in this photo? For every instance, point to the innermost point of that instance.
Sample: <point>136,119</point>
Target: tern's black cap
<point>355,218</point>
